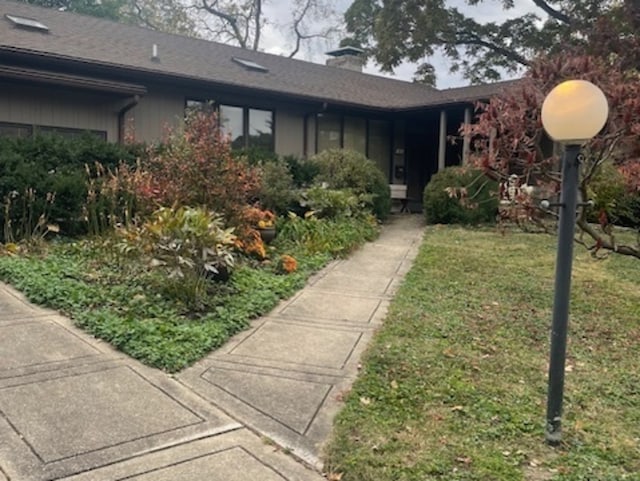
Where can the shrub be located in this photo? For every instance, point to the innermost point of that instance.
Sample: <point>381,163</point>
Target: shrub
<point>256,155</point>
<point>277,191</point>
<point>612,196</point>
<point>303,171</point>
<point>111,200</point>
<point>479,205</point>
<point>189,245</point>
<point>337,237</point>
<point>287,264</point>
<point>331,203</point>
<point>195,166</point>
<point>346,169</point>
<point>53,165</point>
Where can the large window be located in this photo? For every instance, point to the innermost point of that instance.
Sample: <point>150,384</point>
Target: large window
<point>15,130</point>
<point>369,137</point>
<point>260,129</point>
<point>329,132</point>
<point>247,127</point>
<point>195,105</point>
<point>68,133</point>
<point>379,144</point>
<point>232,124</point>
<point>26,130</point>
<point>355,134</point>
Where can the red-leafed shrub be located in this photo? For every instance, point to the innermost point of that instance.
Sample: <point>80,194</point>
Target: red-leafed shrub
<point>195,167</point>
<point>509,137</point>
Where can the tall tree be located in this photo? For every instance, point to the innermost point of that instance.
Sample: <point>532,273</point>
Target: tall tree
<point>166,15</point>
<point>106,9</point>
<point>243,22</point>
<point>239,22</point>
<point>393,31</point>
<point>170,16</point>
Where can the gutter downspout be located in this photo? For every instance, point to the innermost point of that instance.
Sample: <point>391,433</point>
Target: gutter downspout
<point>128,105</point>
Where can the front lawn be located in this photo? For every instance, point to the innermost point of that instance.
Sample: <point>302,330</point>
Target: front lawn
<point>453,386</point>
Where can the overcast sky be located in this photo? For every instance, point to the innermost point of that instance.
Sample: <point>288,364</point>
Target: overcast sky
<point>275,39</point>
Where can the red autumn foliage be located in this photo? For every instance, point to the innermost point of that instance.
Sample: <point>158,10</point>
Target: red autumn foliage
<point>195,167</point>
<point>509,137</point>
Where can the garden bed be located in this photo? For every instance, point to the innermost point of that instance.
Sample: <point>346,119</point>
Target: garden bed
<point>140,313</point>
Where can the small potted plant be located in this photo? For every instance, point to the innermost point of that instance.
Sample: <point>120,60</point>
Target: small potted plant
<point>262,220</point>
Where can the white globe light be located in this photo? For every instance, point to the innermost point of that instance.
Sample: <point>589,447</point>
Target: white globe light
<point>574,112</point>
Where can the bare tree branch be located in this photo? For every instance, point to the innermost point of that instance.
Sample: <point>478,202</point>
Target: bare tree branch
<point>258,23</point>
<point>475,40</point>
<point>552,12</point>
<point>142,18</point>
<point>297,27</point>
<point>602,242</point>
<point>231,21</point>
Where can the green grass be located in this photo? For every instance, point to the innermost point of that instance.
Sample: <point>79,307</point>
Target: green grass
<point>144,315</point>
<point>453,386</point>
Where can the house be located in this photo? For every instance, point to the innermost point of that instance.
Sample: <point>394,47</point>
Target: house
<point>67,73</point>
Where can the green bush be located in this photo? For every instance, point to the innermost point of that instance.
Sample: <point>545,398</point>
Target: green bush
<point>255,155</point>
<point>52,165</point>
<point>479,205</point>
<point>337,237</point>
<point>303,171</point>
<point>188,245</point>
<point>277,191</point>
<point>610,194</point>
<point>346,169</point>
<point>331,203</point>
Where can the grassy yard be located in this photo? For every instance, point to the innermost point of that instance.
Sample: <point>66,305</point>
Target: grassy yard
<point>454,385</point>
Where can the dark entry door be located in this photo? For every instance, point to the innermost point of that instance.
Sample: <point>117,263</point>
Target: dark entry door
<point>421,154</point>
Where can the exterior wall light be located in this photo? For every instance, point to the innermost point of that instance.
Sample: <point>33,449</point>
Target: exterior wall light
<point>573,113</point>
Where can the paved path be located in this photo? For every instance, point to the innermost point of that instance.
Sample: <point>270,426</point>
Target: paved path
<point>73,409</point>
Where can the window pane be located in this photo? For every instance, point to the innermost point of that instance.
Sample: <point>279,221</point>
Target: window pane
<point>14,130</point>
<point>328,132</point>
<point>232,124</point>
<point>380,144</point>
<point>261,129</point>
<point>69,133</point>
<point>355,134</point>
<point>197,105</point>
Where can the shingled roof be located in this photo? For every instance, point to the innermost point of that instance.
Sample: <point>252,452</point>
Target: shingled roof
<point>111,44</point>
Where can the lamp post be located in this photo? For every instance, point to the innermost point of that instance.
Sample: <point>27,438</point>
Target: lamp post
<point>572,113</point>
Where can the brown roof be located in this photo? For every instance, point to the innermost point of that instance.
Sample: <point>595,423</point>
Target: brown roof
<point>107,43</point>
<point>476,92</point>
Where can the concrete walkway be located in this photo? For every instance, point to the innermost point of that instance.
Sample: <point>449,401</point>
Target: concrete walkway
<point>73,409</point>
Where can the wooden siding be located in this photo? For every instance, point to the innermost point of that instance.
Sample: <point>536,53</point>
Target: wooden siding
<point>156,111</point>
<point>289,132</point>
<point>311,136</point>
<point>54,107</point>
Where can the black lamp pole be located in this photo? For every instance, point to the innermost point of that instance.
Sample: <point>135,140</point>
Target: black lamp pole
<point>562,293</point>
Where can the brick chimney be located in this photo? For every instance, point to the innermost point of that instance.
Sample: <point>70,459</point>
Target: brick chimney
<point>350,58</point>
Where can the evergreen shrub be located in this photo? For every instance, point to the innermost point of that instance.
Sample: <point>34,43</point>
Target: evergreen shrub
<point>48,165</point>
<point>478,206</point>
<point>347,169</point>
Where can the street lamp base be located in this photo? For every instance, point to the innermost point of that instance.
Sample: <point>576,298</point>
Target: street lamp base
<point>553,434</point>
